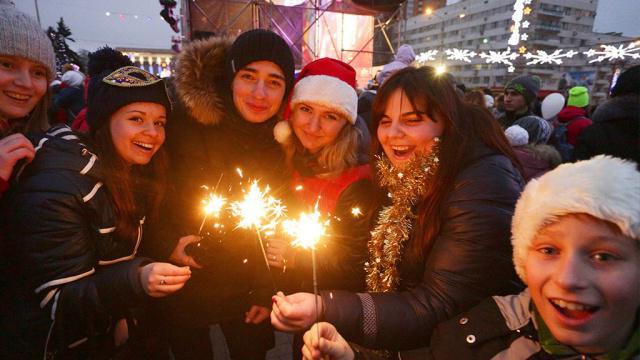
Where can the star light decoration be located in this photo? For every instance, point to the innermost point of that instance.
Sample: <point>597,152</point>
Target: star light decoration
<point>611,52</point>
<point>500,57</point>
<point>542,57</point>
<point>460,54</point>
<point>425,56</point>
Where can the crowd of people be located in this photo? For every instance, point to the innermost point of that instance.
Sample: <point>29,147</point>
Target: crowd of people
<point>463,226</point>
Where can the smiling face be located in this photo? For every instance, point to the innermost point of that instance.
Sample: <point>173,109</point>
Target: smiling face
<point>404,131</point>
<point>22,84</point>
<point>258,90</point>
<point>316,126</point>
<point>137,131</point>
<point>584,278</point>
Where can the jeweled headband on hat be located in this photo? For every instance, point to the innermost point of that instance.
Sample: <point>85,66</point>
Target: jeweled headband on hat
<point>111,90</point>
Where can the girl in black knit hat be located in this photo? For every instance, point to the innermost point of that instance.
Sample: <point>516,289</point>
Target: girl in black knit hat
<point>75,224</point>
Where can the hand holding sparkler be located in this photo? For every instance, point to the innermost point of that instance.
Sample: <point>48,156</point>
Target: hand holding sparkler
<point>331,345</point>
<point>307,231</point>
<point>295,312</point>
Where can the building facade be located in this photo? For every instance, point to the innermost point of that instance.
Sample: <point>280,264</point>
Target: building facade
<point>159,62</point>
<point>484,25</point>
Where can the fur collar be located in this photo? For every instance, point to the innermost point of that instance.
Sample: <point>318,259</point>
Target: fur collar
<point>200,79</point>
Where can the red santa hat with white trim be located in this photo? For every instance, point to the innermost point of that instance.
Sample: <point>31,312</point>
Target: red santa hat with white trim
<point>327,82</point>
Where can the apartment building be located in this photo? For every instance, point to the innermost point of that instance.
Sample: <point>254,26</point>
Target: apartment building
<point>483,25</point>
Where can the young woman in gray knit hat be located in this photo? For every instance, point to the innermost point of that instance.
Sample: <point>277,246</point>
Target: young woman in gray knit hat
<point>26,66</point>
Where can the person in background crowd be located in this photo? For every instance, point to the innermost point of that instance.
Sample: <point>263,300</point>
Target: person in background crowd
<point>475,97</point>
<point>97,59</point>
<point>489,102</point>
<point>75,224</point>
<point>70,98</point>
<point>27,65</point>
<point>581,262</point>
<point>328,170</point>
<point>520,95</point>
<point>403,58</point>
<point>230,98</point>
<point>616,122</point>
<point>574,115</point>
<point>536,158</point>
<point>441,243</point>
<point>498,110</point>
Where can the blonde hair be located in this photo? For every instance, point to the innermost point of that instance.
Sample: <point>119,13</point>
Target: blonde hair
<point>336,157</point>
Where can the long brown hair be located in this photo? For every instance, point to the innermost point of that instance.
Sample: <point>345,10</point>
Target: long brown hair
<point>130,186</point>
<point>465,128</point>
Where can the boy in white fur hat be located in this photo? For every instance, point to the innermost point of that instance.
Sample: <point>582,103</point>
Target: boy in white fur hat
<point>576,244</point>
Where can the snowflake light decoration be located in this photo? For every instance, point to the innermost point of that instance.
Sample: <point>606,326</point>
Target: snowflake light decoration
<point>611,52</point>
<point>497,57</point>
<point>541,57</point>
<point>429,55</point>
<point>460,54</point>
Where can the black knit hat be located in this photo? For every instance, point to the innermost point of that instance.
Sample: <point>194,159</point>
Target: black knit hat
<point>261,45</point>
<point>111,90</point>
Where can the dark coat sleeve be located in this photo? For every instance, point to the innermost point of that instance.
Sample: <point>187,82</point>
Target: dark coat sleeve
<point>470,260</point>
<point>55,245</point>
<point>342,256</point>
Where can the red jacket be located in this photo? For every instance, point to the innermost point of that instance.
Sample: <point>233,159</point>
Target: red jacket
<point>577,120</point>
<point>327,190</point>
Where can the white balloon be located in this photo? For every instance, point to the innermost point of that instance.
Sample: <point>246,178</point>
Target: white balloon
<point>551,105</point>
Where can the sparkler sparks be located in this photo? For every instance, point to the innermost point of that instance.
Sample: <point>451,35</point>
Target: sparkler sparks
<point>258,209</point>
<point>307,230</point>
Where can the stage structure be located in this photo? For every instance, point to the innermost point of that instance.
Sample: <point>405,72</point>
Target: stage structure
<point>313,28</point>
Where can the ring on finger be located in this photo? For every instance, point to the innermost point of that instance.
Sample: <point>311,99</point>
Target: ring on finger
<point>163,282</point>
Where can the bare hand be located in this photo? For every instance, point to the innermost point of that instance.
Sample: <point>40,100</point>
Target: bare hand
<point>179,255</point>
<point>12,149</point>
<point>256,314</point>
<point>331,345</point>
<point>276,253</point>
<point>295,312</point>
<point>161,279</point>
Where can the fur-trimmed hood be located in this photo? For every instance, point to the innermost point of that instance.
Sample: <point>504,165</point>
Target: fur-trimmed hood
<point>200,79</point>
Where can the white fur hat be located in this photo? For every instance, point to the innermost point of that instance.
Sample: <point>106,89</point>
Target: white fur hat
<point>604,187</point>
<point>516,135</point>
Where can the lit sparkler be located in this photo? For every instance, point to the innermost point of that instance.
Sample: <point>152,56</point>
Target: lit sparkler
<point>213,205</point>
<point>307,231</point>
<point>258,211</point>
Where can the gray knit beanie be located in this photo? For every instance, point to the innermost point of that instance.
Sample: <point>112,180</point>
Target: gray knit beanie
<point>526,85</point>
<point>20,35</point>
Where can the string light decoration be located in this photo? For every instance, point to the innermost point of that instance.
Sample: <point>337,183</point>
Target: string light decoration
<point>611,52</point>
<point>460,54</point>
<point>429,55</point>
<point>542,57</point>
<point>500,57</point>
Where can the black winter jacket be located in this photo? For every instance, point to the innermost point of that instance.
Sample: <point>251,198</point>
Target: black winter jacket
<point>615,130</point>
<point>74,277</point>
<point>469,260</point>
<point>207,141</point>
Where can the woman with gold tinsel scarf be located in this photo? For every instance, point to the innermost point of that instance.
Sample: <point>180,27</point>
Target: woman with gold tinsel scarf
<point>448,186</point>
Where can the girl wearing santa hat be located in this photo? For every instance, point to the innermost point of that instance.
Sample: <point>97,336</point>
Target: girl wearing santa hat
<point>321,141</point>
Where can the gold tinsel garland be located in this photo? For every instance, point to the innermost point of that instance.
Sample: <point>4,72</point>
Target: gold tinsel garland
<point>391,233</point>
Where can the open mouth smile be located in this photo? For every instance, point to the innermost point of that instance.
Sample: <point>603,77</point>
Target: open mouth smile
<point>573,310</point>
